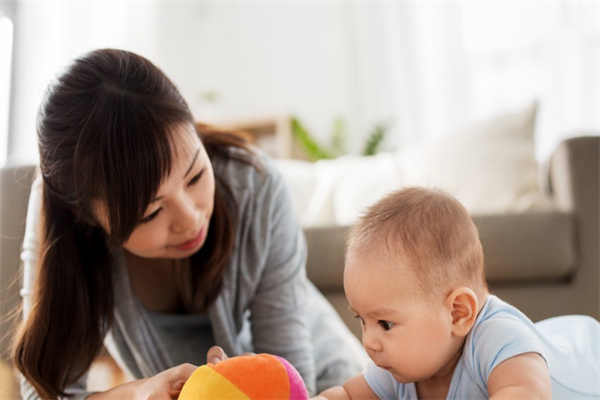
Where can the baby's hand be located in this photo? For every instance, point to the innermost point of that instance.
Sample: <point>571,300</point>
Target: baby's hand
<point>215,355</point>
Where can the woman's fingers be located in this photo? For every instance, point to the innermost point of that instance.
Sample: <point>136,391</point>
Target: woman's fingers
<point>179,374</point>
<point>163,386</point>
<point>215,355</point>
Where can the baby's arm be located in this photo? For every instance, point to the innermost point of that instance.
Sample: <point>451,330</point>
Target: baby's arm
<point>524,376</point>
<point>354,388</point>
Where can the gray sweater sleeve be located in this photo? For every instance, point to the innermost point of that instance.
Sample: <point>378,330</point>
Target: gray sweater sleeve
<point>279,308</point>
<point>289,316</point>
<point>77,390</point>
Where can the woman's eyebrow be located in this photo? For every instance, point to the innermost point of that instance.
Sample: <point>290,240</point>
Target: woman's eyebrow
<point>186,173</point>
<point>192,163</point>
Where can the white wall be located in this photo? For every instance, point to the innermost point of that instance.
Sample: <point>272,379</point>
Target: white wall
<point>365,62</point>
<point>48,35</point>
<point>260,59</point>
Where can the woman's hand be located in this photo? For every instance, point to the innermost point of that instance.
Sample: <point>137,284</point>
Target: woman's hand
<point>163,386</point>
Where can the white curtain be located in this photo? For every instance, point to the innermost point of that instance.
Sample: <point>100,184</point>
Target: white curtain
<point>426,67</point>
<point>438,66</point>
<point>48,35</point>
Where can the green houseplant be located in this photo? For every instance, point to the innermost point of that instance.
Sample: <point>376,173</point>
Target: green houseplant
<point>338,139</point>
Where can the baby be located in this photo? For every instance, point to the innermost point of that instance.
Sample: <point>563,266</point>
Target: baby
<point>414,277</point>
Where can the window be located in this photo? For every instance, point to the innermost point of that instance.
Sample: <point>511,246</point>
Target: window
<point>6,42</point>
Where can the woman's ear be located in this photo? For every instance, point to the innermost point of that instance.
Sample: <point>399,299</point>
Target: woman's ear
<point>463,306</point>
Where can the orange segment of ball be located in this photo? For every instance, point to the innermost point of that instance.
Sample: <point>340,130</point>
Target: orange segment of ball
<point>273,375</point>
<point>256,377</point>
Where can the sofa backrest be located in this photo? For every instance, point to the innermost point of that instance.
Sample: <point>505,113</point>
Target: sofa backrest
<point>15,184</point>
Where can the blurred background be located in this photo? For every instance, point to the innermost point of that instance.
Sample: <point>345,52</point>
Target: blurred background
<point>419,69</point>
<point>354,99</point>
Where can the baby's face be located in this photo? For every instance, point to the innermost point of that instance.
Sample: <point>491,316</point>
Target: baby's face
<point>402,331</point>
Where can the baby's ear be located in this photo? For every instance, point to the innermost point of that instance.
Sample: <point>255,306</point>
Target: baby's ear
<point>463,306</point>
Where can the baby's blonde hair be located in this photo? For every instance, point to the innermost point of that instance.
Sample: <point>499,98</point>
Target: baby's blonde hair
<point>429,231</point>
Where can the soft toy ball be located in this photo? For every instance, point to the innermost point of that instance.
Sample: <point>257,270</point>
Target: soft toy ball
<point>261,376</point>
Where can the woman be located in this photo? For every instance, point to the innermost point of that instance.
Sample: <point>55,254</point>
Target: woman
<point>160,241</point>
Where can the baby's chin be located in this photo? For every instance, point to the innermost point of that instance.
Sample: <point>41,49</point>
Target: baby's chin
<point>402,378</point>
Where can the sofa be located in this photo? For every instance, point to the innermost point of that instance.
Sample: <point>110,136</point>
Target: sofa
<point>545,262</point>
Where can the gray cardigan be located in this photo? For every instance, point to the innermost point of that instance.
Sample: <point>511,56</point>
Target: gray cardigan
<point>266,305</point>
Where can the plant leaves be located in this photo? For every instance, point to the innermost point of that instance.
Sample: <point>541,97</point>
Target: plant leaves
<point>338,137</point>
<point>313,149</point>
<point>374,140</point>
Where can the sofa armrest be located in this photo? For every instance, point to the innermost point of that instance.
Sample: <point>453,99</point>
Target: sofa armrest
<point>575,186</point>
<point>574,176</point>
<point>15,184</point>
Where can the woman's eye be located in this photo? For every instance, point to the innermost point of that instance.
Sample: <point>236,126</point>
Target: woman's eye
<point>196,178</point>
<point>386,325</point>
<point>150,217</point>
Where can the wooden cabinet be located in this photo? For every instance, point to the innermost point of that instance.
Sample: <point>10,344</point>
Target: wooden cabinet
<point>273,134</point>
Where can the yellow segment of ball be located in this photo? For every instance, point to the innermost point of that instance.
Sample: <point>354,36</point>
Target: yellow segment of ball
<point>206,383</point>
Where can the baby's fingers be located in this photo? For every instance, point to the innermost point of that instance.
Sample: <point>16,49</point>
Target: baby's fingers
<point>215,355</point>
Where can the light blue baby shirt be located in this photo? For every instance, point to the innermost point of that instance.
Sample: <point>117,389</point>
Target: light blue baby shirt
<point>569,344</point>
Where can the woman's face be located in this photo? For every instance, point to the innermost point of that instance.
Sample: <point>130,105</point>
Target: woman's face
<point>175,224</point>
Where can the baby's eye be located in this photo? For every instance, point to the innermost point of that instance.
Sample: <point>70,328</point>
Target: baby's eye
<point>386,325</point>
<point>362,321</point>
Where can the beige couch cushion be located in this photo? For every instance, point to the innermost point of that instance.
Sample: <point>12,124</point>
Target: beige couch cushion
<point>517,248</point>
<point>538,246</point>
<point>490,166</point>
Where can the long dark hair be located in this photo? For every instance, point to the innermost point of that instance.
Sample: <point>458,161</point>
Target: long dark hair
<point>104,129</point>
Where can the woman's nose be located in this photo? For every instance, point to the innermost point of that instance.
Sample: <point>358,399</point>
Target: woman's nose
<point>185,216</point>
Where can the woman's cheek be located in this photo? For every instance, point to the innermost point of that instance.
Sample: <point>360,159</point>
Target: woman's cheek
<point>148,242</point>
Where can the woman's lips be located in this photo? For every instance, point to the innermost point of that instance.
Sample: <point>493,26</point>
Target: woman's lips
<point>190,244</point>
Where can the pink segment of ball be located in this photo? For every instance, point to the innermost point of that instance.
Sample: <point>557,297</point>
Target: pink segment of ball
<point>297,386</point>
